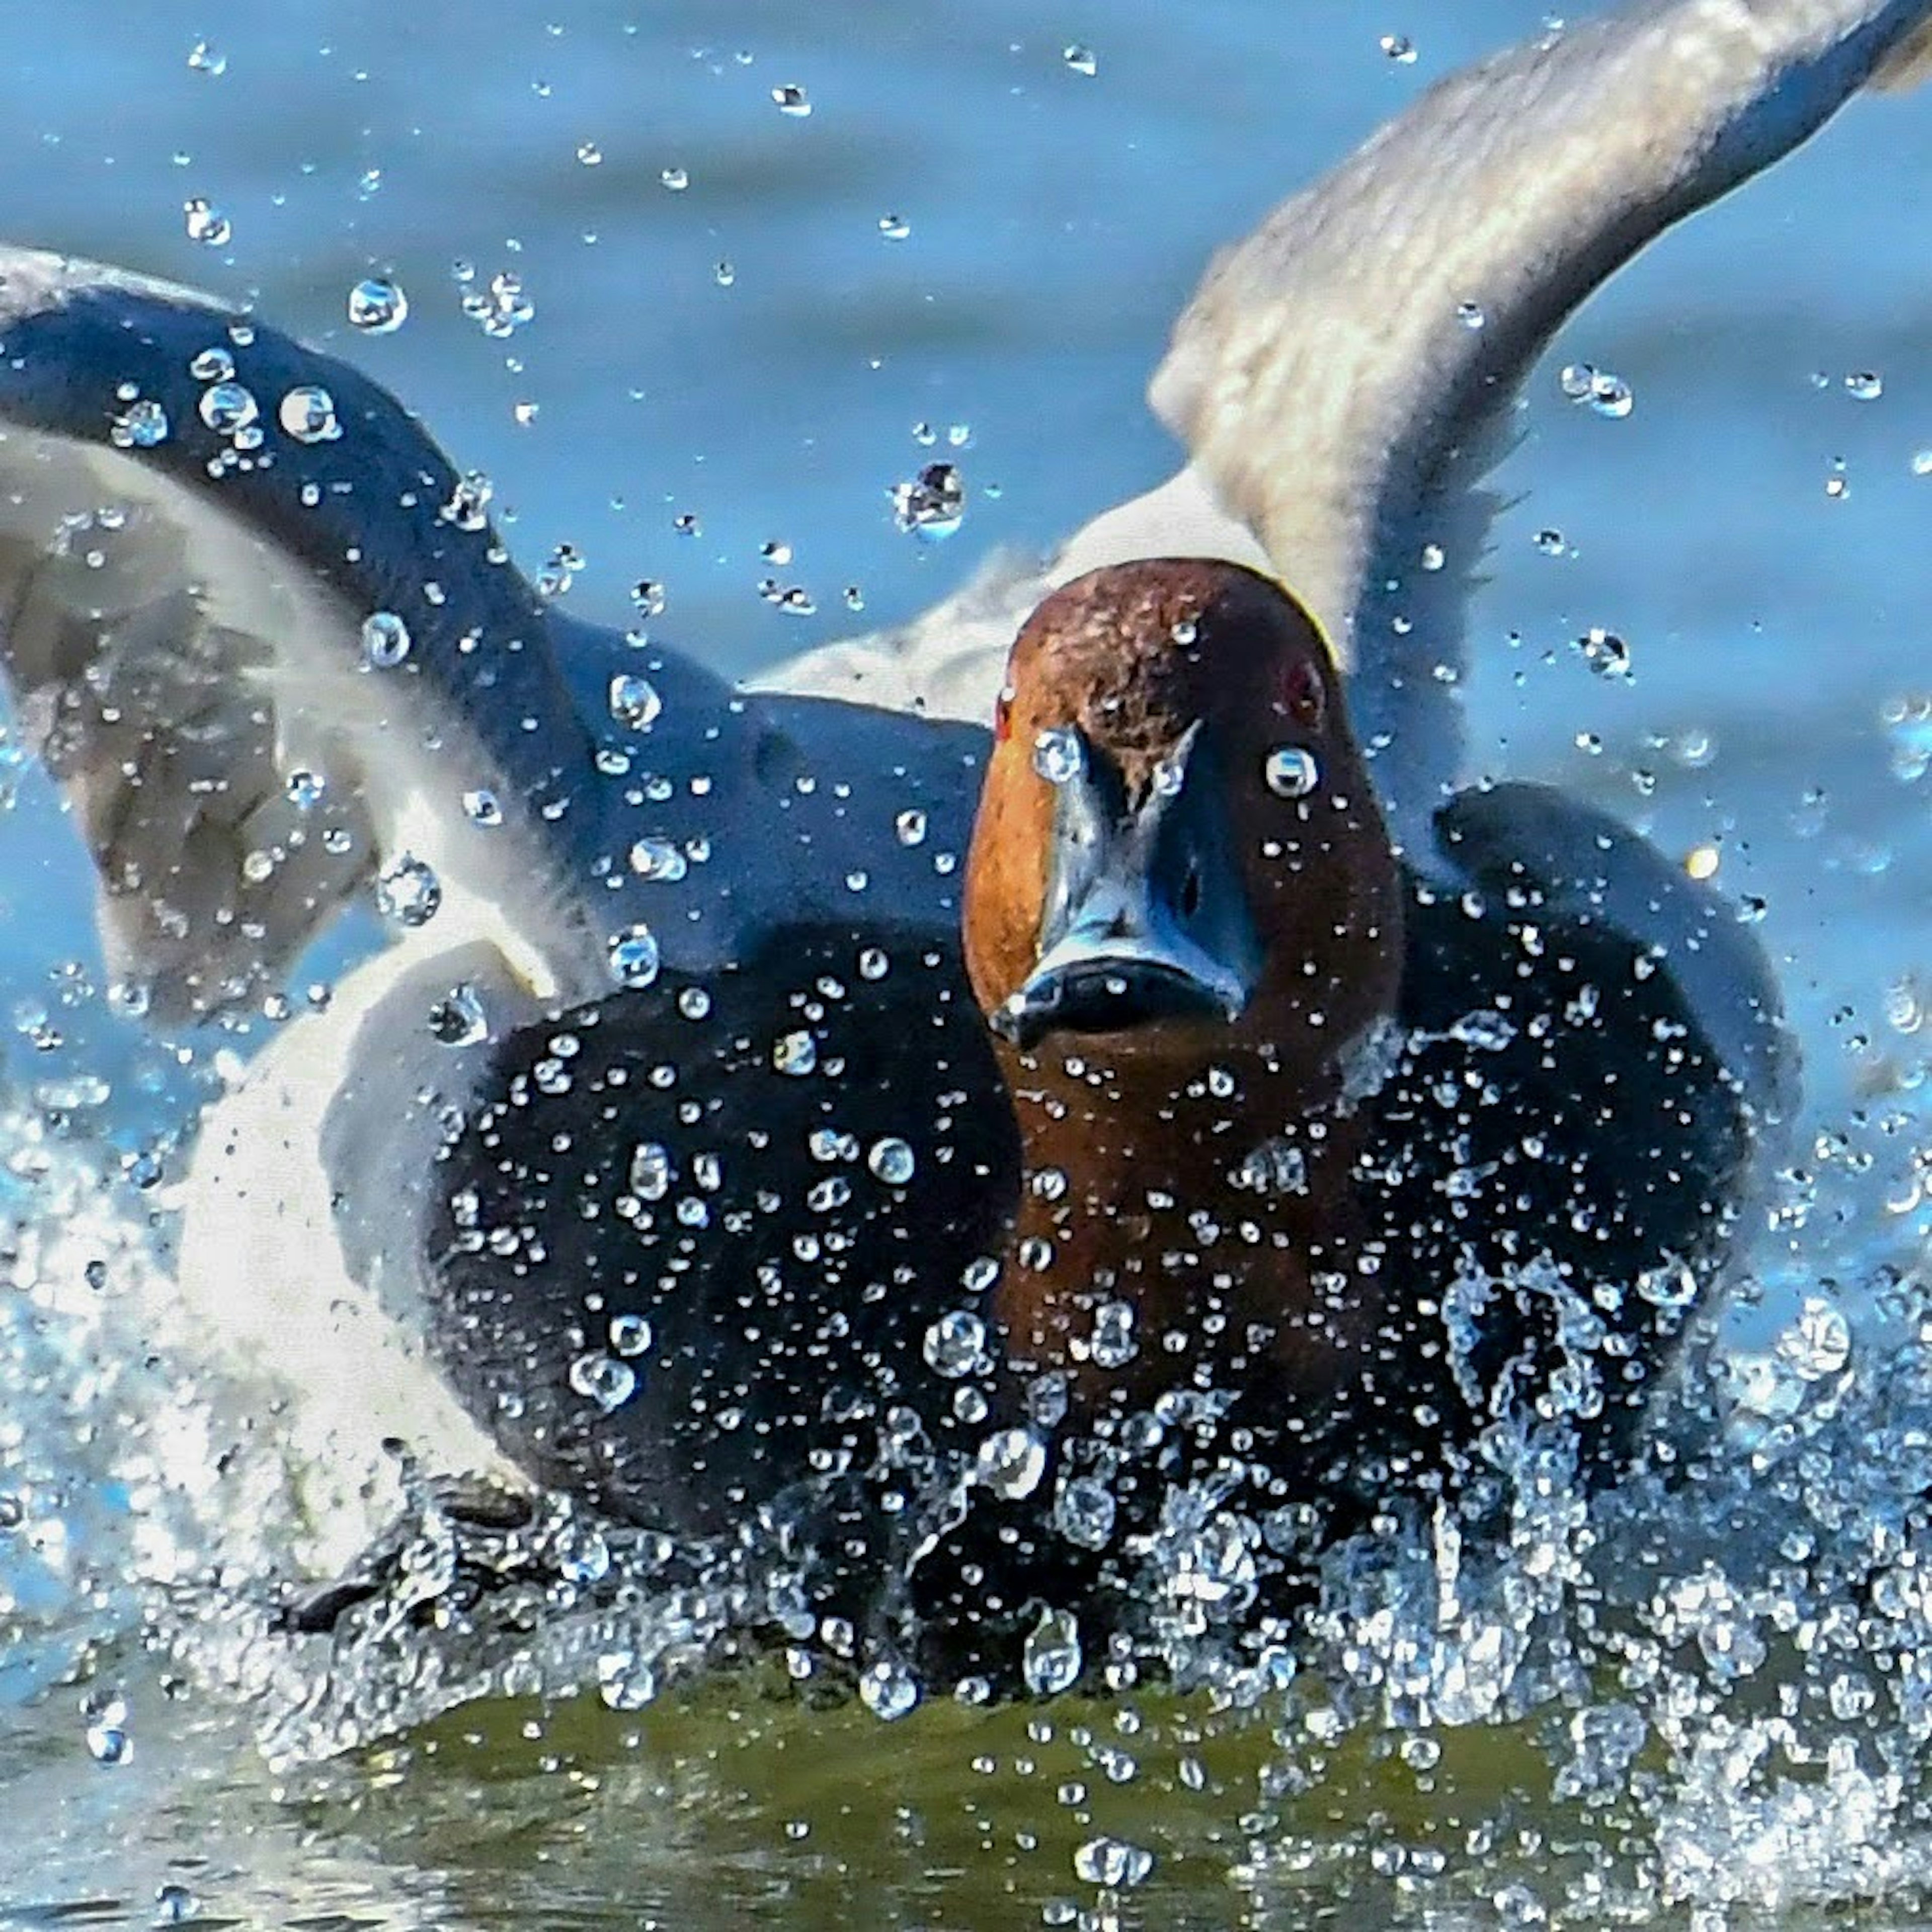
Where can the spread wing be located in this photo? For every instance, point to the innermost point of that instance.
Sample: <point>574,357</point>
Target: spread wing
<point>1342,376</point>
<point>198,519</point>
<point>262,633</point>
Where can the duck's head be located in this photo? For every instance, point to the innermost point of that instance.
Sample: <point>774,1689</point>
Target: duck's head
<point>1177,837</point>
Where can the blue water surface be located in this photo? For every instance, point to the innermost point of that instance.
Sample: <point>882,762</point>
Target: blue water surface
<point>730,325</point>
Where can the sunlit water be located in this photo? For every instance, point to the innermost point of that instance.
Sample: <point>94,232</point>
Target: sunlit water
<point>1706,1693</point>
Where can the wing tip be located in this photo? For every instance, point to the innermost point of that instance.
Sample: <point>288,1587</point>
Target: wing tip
<point>1908,65</point>
<point>35,280</point>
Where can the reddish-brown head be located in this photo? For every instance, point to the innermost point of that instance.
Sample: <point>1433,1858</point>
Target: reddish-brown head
<point>1177,836</point>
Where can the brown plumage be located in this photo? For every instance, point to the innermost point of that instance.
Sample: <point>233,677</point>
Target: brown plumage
<point>1221,1104</point>
<point>1147,1126</point>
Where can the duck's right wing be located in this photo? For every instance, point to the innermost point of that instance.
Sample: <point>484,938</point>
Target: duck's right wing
<point>262,636</point>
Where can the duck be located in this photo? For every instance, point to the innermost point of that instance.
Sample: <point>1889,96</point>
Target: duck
<point>262,634</point>
<point>1224,1123</point>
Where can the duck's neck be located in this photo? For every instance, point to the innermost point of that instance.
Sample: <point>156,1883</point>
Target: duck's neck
<point>1184,1225</point>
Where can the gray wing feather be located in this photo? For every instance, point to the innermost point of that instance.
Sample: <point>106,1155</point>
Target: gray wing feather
<point>1342,376</point>
<point>1340,410</point>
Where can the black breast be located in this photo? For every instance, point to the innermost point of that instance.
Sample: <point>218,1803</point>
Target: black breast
<point>689,1254</point>
<point>1564,1146</point>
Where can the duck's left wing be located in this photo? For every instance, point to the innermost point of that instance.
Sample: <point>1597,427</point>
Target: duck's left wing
<point>1519,846</point>
<point>1342,376</point>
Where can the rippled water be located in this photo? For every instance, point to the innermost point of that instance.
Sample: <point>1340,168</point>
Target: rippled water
<point>1711,1698</point>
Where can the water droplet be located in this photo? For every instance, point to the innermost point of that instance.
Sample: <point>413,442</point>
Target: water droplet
<point>304,789</point>
<point>175,1904</point>
<point>483,808</point>
<point>895,227</point>
<point>1399,48</point>
<point>206,224</point>
<point>630,1336</point>
<point>228,408</point>
<point>625,1683</point>
<point>1113,1344</point>
<point>1277,1166</point>
<point>560,571</point>
<point>1113,1863</point>
<point>634,700</point>
<point>932,505</point>
<point>590,154</point>
<point>307,413</point>
<point>108,1742</point>
<point>650,1175</point>
<point>980,1274</point>
<point>955,1344</point>
<point>1605,653</point>
<point>888,1691</point>
<point>892,1161</point>
<point>1083,1512</point>
<point>603,1379</point>
<point>214,363</point>
<point>659,859</point>
<point>1050,1660</point>
<point>1607,394</point>
<point>378,306</point>
<point>1058,754</point>
<point>468,501</point>
<point>204,57</point>
<point>142,425</point>
<point>1010,1462</point>
<point>1080,60</point>
<point>1470,314</point>
<point>501,307</point>
<point>792,99</point>
<point>1291,771</point>
<point>408,892</point>
<point>1818,1343</point>
<point>633,956</point>
<point>385,640</point>
<point>1865,385</point>
<point>796,1053</point>
<point>910,827</point>
<point>458,1018</point>
<point>146,1167</point>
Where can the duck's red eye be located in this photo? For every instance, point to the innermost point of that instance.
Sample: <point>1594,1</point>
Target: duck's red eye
<point>1304,694</point>
<point>1003,715</point>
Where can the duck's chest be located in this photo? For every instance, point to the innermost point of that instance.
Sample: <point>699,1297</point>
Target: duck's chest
<point>1209,1233</point>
